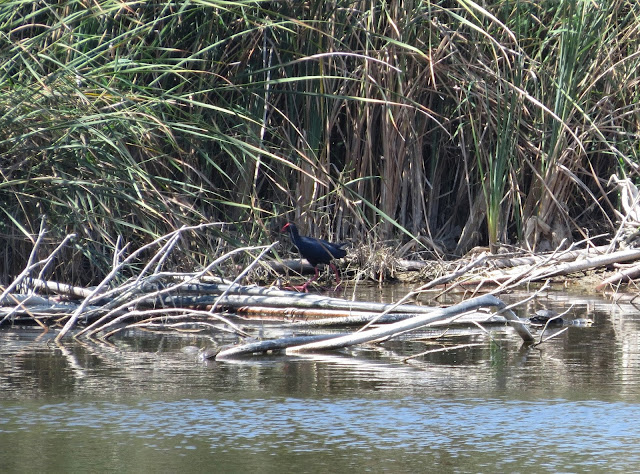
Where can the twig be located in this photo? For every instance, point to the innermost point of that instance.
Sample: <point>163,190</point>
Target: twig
<point>540,341</point>
<point>162,322</point>
<point>30,265</point>
<point>452,276</point>
<point>59,288</point>
<point>620,276</point>
<point>76,314</point>
<point>550,337</point>
<point>423,288</point>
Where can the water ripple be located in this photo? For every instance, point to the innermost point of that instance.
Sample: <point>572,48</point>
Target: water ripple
<point>600,432</point>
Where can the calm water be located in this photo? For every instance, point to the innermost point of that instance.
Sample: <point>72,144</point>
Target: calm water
<point>146,405</point>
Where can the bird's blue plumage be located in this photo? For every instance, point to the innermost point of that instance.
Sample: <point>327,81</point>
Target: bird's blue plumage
<point>316,251</point>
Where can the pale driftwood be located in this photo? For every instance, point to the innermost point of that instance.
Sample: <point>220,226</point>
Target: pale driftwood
<point>299,266</point>
<point>414,323</point>
<point>326,342</point>
<point>620,276</point>
<point>244,272</point>
<point>404,265</point>
<point>566,256</point>
<point>548,267</point>
<point>76,314</point>
<point>58,288</point>
<point>298,300</point>
<point>364,318</point>
<point>586,264</point>
<point>455,274</point>
<point>32,265</point>
<point>302,267</point>
<point>514,280</point>
<point>311,318</point>
<point>23,300</point>
<point>238,296</point>
<point>31,309</point>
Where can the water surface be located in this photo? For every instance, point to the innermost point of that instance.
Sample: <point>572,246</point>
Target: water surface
<point>144,404</point>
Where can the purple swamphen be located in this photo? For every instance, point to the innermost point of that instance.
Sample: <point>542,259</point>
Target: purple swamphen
<point>316,251</point>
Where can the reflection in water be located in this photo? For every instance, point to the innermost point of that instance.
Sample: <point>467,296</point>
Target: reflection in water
<point>146,404</point>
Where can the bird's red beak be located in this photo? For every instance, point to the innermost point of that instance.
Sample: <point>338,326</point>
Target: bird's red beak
<point>285,227</point>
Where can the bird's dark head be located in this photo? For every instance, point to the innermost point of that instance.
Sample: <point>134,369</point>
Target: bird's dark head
<point>292,229</point>
<point>289,226</point>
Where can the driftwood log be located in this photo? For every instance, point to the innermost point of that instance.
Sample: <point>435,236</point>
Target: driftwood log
<point>384,332</point>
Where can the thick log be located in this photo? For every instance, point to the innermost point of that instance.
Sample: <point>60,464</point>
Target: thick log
<point>623,275</point>
<point>59,288</point>
<point>323,318</point>
<point>255,296</point>
<point>297,266</point>
<point>264,346</point>
<point>586,264</point>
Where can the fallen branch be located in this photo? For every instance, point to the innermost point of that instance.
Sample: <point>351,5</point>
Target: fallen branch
<point>384,332</point>
<point>118,265</point>
<point>623,275</point>
<point>417,322</point>
<point>586,264</point>
<point>57,288</point>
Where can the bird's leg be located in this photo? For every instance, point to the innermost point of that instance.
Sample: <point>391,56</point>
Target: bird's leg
<point>335,270</point>
<point>304,287</point>
<point>314,278</point>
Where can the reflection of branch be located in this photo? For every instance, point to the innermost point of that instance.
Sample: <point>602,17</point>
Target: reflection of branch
<point>443,349</point>
<point>72,360</point>
<point>152,320</point>
<point>550,337</point>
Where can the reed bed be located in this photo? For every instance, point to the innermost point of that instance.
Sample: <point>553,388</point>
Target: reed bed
<point>449,124</point>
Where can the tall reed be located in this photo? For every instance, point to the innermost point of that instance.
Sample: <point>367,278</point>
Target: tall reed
<point>453,123</point>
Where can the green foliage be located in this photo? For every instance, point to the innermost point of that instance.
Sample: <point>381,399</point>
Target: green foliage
<point>459,121</point>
